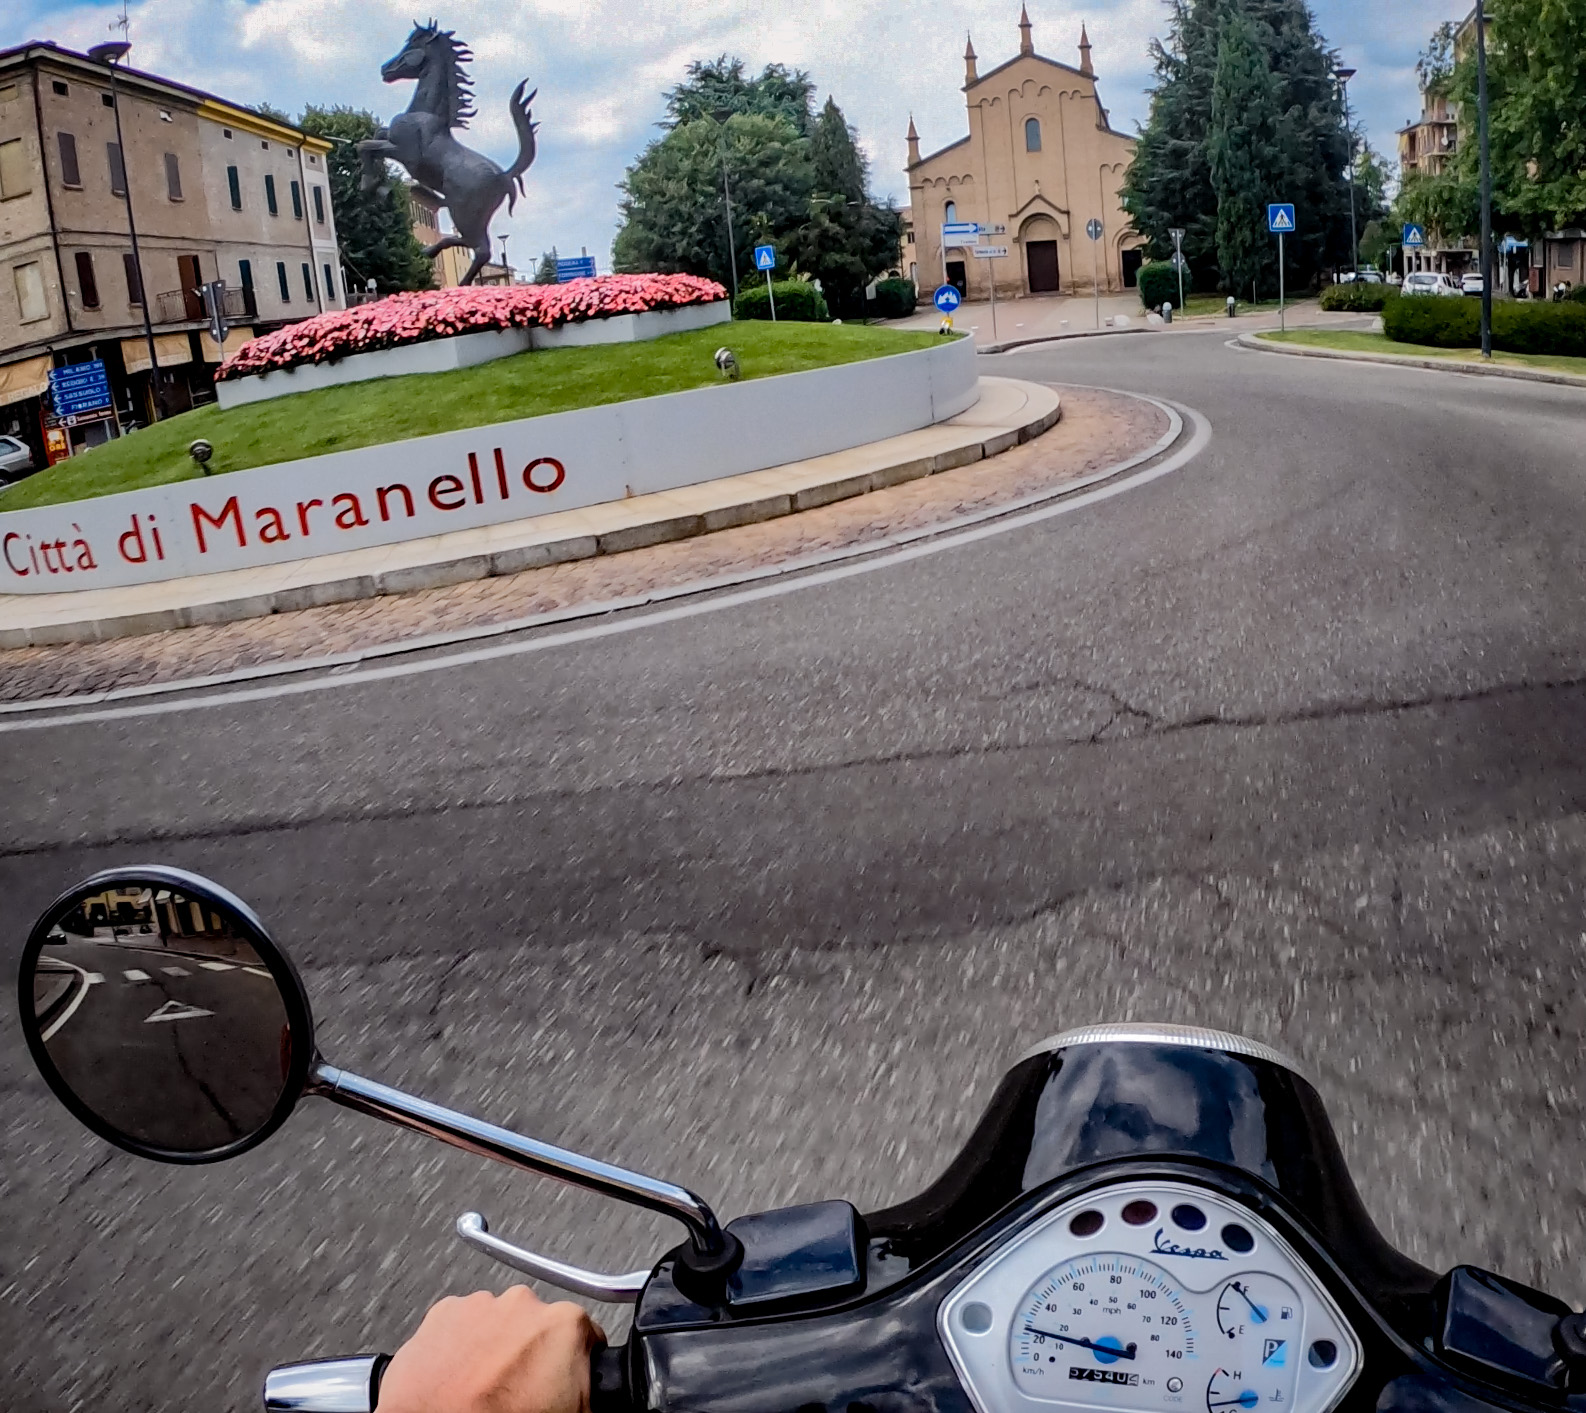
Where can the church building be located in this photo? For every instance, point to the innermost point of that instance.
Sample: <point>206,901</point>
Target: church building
<point>1040,163</point>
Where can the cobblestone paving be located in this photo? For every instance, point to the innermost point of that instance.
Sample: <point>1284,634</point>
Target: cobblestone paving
<point>1097,430</point>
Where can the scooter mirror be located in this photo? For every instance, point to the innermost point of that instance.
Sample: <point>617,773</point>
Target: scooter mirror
<point>162,1015</point>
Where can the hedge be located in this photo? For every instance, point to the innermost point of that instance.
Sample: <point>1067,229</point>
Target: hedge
<point>1530,327</point>
<point>1159,284</point>
<point>895,299</point>
<point>1578,294</point>
<point>796,300</point>
<point>1357,297</point>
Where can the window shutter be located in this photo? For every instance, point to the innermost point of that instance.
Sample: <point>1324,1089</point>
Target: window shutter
<point>68,149</point>
<point>173,177</point>
<point>308,282</point>
<point>14,178</point>
<point>297,202</point>
<point>330,285</point>
<point>87,285</point>
<point>118,169</point>
<point>235,183</point>
<point>134,284</point>
<point>319,204</point>
<point>280,276</point>
<point>269,194</point>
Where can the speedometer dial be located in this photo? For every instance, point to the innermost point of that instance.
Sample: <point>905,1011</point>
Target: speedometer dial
<point>1110,1322</point>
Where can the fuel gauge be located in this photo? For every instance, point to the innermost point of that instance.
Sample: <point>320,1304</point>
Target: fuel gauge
<point>1258,1305</point>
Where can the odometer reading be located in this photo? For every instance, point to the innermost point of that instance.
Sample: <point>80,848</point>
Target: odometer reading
<point>1104,1329</point>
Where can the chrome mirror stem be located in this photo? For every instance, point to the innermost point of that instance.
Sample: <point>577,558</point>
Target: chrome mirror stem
<point>488,1141</point>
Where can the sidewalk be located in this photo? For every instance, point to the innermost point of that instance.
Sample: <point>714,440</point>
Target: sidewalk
<point>1009,412</point>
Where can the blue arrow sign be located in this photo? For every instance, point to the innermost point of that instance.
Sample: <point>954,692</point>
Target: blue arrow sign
<point>765,257</point>
<point>960,232</point>
<point>1414,236</point>
<point>577,267</point>
<point>1280,218</point>
<point>81,388</point>
<point>947,298</point>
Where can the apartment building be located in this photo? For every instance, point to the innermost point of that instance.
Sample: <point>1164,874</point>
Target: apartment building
<point>451,264</point>
<point>217,193</point>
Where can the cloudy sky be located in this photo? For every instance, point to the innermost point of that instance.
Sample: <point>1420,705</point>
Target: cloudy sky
<point>601,67</point>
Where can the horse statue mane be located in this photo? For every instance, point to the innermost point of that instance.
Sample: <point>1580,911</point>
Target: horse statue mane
<point>420,139</point>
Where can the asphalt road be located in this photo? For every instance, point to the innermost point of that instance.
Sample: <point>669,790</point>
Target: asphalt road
<point>1290,742</point>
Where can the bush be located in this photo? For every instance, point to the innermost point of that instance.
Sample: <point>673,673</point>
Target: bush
<point>1159,284</point>
<point>1578,294</point>
<point>796,300</point>
<point>1357,297</point>
<point>1555,329</point>
<point>895,299</point>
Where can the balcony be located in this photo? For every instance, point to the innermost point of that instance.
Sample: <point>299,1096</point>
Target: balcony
<point>186,306</point>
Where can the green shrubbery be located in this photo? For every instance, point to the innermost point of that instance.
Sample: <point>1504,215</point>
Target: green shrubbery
<point>1517,327</point>
<point>1578,294</point>
<point>895,299</point>
<point>797,301</point>
<point>1159,284</point>
<point>1357,297</point>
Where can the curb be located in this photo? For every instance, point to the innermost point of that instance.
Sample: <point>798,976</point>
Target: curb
<point>1009,345</point>
<point>1403,360</point>
<point>514,560</point>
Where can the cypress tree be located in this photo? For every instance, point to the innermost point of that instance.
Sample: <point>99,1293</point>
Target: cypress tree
<point>1242,148</point>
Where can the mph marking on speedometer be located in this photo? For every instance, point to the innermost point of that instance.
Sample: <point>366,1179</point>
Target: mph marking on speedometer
<point>1111,1321</point>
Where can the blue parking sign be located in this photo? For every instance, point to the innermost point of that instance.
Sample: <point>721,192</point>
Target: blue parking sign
<point>765,257</point>
<point>947,298</point>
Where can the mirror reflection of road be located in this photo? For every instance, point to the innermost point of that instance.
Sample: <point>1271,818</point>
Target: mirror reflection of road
<point>163,1044</point>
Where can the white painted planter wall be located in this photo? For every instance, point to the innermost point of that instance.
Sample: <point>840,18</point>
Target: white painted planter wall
<point>508,471</point>
<point>466,350</point>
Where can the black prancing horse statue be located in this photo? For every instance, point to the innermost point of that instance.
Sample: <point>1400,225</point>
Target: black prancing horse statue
<point>421,140</point>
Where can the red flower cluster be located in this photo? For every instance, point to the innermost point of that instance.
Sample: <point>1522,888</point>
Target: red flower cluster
<point>438,314</point>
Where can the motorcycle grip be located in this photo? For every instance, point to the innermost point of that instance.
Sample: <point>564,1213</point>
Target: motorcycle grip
<point>609,1391</point>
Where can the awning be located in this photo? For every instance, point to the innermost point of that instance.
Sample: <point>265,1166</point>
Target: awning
<point>173,349</point>
<point>29,378</point>
<point>235,338</point>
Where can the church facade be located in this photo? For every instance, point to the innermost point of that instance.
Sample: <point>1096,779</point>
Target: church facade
<point>1041,160</point>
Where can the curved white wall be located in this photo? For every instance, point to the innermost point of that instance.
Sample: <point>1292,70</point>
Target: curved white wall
<point>481,476</point>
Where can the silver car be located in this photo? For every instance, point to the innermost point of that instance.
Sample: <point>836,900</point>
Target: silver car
<point>16,459</point>
<point>1430,282</point>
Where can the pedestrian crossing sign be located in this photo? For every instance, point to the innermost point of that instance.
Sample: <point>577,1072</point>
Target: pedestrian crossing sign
<point>1280,218</point>
<point>1414,236</point>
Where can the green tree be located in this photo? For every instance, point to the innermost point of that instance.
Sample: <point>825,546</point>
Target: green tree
<point>1375,242</point>
<point>545,271</point>
<point>718,86</point>
<point>375,231</point>
<point>1243,148</point>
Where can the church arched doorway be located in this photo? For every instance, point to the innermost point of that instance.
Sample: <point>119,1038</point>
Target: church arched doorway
<point>1039,238</point>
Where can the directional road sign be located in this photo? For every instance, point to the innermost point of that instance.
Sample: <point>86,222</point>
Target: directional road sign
<point>576,267</point>
<point>81,388</point>
<point>1093,228</point>
<point>947,298</point>
<point>765,257</point>
<point>1414,236</point>
<point>959,232</point>
<point>990,252</point>
<point>1280,218</point>
<point>995,229</point>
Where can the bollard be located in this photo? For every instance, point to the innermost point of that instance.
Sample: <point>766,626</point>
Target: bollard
<point>1231,303</point>
<point>1167,311</point>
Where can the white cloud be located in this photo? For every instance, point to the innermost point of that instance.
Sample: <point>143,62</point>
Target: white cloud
<point>601,67</point>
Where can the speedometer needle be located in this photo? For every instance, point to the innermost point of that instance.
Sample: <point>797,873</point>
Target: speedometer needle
<point>1127,1352</point>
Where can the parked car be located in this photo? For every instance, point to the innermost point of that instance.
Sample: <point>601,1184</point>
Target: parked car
<point>1365,277</point>
<point>1430,282</point>
<point>1470,282</point>
<point>16,460</point>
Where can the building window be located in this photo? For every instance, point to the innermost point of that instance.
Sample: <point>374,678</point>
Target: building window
<point>29,281</point>
<point>87,285</point>
<point>226,133</point>
<point>269,195</point>
<point>59,88</point>
<point>308,282</point>
<point>1032,134</point>
<point>129,267</point>
<point>319,205</point>
<point>173,177</point>
<point>265,146</point>
<point>313,160</point>
<point>280,276</point>
<point>14,179</point>
<point>951,213</point>
<point>118,169</point>
<point>1566,254</point>
<point>67,144</point>
<point>297,202</point>
<point>330,285</point>
<point>108,99</point>
<point>245,274</point>
<point>235,183</point>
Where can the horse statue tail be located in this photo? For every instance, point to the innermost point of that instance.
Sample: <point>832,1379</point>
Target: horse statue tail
<point>525,125</point>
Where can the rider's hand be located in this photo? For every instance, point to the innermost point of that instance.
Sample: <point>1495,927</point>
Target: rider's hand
<point>484,1353</point>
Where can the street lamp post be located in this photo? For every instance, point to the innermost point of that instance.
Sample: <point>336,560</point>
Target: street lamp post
<point>721,115</point>
<point>505,263</point>
<point>1344,75</point>
<point>1486,182</point>
<point>110,55</point>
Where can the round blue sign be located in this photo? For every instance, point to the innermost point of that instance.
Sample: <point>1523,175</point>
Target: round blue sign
<point>948,298</point>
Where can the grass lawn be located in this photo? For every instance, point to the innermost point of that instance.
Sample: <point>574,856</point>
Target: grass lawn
<point>1351,342</point>
<point>394,409</point>
<point>1198,304</point>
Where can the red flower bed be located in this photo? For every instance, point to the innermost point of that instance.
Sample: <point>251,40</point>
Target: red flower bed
<point>438,314</point>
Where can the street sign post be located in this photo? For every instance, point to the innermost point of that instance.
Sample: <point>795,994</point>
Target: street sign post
<point>1178,260</point>
<point>574,267</point>
<point>765,259</point>
<point>1280,221</point>
<point>1094,229</point>
<point>83,387</point>
<point>992,252</point>
<point>1414,237</point>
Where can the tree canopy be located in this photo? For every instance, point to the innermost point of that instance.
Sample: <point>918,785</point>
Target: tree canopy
<point>375,232</point>
<point>798,181</point>
<point>1209,162</point>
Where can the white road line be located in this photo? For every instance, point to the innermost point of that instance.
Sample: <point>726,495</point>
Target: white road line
<point>940,542</point>
<point>89,978</point>
<point>93,978</point>
<point>133,974</point>
<point>217,966</point>
<point>258,971</point>
<point>176,971</point>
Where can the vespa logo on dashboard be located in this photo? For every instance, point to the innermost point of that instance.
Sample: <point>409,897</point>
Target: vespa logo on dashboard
<point>1172,1248</point>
